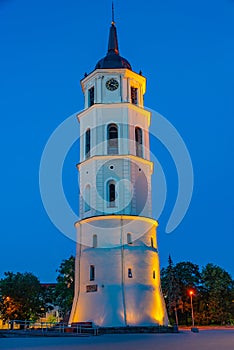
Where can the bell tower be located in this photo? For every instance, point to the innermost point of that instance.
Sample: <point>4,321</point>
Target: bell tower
<point>117,278</point>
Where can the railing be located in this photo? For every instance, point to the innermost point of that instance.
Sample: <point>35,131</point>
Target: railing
<point>53,327</point>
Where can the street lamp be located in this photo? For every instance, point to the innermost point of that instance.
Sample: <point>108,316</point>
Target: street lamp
<point>191,293</point>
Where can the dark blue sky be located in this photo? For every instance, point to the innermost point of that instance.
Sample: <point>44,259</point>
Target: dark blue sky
<point>186,51</point>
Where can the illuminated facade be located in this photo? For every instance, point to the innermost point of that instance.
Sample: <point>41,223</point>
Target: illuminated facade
<point>117,265</point>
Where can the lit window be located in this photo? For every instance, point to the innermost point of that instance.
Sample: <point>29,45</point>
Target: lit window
<point>129,273</point>
<point>87,198</point>
<point>112,139</point>
<point>153,274</point>
<point>111,193</point>
<point>129,238</point>
<point>92,273</point>
<point>87,143</point>
<point>94,241</point>
<point>91,96</point>
<point>138,140</point>
<point>134,92</point>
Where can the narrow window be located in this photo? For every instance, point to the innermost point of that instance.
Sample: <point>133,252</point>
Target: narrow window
<point>129,238</point>
<point>129,273</point>
<point>94,241</point>
<point>92,273</point>
<point>152,242</point>
<point>87,143</point>
<point>134,92</point>
<point>91,96</point>
<point>111,193</point>
<point>154,274</point>
<point>112,139</point>
<point>87,198</point>
<point>138,140</point>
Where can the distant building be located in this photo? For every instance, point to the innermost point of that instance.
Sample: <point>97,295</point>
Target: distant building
<point>52,314</point>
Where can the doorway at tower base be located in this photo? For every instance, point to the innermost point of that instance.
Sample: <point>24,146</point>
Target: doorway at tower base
<point>117,274</point>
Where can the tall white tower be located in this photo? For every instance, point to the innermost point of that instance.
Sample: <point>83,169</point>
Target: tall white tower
<point>117,278</point>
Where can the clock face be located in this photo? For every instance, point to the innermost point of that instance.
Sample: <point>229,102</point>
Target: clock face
<point>112,84</point>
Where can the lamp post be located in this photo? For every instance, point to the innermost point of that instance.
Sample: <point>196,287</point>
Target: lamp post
<point>191,293</point>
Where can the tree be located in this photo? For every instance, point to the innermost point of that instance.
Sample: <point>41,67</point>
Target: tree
<point>20,297</point>
<point>213,289</point>
<point>176,282</point>
<point>217,293</point>
<point>170,288</point>
<point>64,291</point>
<point>188,277</point>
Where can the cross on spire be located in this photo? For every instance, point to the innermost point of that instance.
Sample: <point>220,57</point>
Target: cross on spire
<point>113,13</point>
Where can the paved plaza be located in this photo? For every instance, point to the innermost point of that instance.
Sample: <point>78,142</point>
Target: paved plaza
<point>186,340</point>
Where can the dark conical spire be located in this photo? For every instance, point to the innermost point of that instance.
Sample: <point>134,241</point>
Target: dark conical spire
<point>113,40</point>
<point>112,58</point>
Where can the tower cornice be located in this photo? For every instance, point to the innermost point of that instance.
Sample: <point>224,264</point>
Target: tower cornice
<point>128,105</point>
<point>118,217</point>
<point>127,73</point>
<point>119,156</point>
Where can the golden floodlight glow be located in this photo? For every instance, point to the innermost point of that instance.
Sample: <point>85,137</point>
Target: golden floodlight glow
<point>114,156</point>
<point>120,217</point>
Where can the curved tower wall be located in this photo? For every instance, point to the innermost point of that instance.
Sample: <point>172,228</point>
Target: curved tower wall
<point>120,296</point>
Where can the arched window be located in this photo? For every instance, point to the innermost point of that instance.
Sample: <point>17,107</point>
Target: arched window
<point>94,241</point>
<point>112,139</point>
<point>111,193</point>
<point>129,238</point>
<point>87,198</point>
<point>138,140</point>
<point>154,276</point>
<point>87,143</point>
